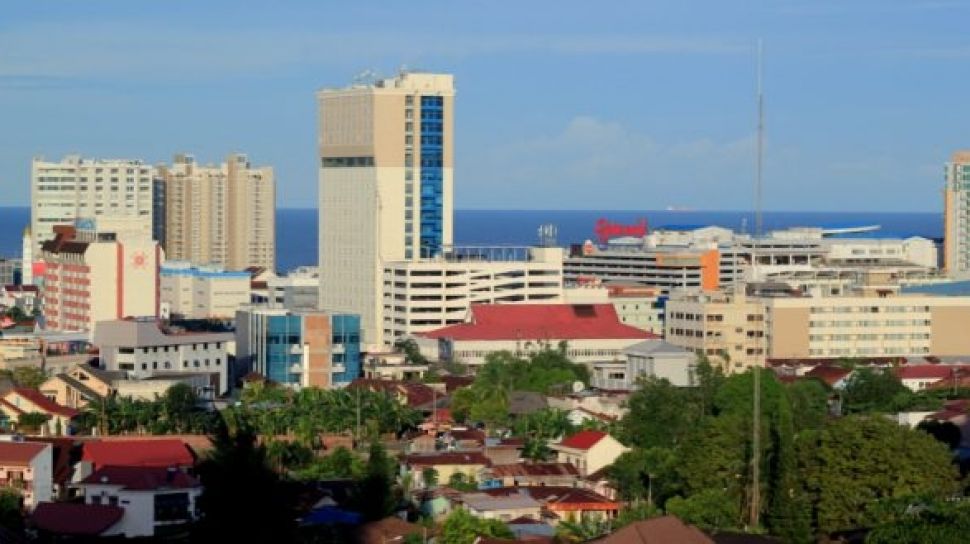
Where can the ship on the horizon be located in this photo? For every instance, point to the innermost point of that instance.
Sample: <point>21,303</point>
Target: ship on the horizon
<point>678,209</point>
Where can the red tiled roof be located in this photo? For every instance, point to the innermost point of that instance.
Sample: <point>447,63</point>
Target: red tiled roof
<point>657,531</point>
<point>7,404</point>
<point>541,322</point>
<point>138,453</point>
<point>71,518</point>
<point>19,453</point>
<point>446,458</point>
<point>142,478</point>
<point>939,372</point>
<point>417,394</point>
<point>45,404</point>
<point>560,498</point>
<point>583,440</point>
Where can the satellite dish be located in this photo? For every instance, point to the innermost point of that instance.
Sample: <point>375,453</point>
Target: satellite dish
<point>578,387</point>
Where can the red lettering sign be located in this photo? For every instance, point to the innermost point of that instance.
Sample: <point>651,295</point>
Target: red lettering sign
<point>606,229</point>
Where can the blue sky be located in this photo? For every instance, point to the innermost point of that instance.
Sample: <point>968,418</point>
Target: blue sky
<point>561,104</point>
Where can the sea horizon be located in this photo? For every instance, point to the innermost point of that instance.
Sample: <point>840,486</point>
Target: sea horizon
<point>482,226</point>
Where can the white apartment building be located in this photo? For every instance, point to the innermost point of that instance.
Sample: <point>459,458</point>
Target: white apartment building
<point>386,177</point>
<point>427,294</point>
<point>203,292</point>
<point>143,350</point>
<point>222,215</point>
<point>78,188</point>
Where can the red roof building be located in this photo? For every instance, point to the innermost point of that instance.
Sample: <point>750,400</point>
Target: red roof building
<point>592,333</point>
<point>583,440</point>
<point>142,478</point>
<point>138,453</point>
<point>33,400</point>
<point>74,519</point>
<point>540,322</point>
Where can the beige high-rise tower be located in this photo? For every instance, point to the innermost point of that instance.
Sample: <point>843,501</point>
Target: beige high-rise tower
<point>386,154</point>
<point>222,215</point>
<point>956,216</point>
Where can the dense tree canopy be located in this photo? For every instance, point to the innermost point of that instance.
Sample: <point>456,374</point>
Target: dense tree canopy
<point>460,527</point>
<point>855,462</point>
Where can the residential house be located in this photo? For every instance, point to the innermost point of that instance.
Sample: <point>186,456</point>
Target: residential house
<point>80,385</point>
<point>528,474</point>
<point>388,530</point>
<point>504,508</point>
<point>588,450</point>
<point>919,377</point>
<point>22,400</point>
<point>156,501</point>
<point>564,503</point>
<point>446,463</point>
<point>163,453</point>
<point>835,377</point>
<point>27,467</point>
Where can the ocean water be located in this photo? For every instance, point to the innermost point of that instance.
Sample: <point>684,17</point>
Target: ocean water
<point>296,229</point>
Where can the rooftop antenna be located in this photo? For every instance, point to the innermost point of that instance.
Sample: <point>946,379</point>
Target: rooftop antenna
<point>756,369</point>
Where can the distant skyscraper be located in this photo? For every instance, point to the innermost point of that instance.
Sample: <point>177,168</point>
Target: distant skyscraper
<point>386,153</point>
<point>956,233</point>
<point>75,188</point>
<point>222,215</point>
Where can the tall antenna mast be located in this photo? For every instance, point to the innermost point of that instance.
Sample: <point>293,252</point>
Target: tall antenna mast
<point>758,220</point>
<point>756,369</point>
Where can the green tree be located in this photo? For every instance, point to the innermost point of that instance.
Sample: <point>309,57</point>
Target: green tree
<point>11,512</point>
<point>374,497</point>
<point>855,462</point>
<point>28,376</point>
<point>660,415</point>
<point>32,421</point>
<point>914,520</point>
<point>430,477</point>
<point>711,509</point>
<point>460,527</point>
<point>583,530</point>
<point>645,474</point>
<point>461,482</point>
<point>178,403</point>
<point>868,391</point>
<point>809,404</point>
<point>238,484</point>
<point>411,351</point>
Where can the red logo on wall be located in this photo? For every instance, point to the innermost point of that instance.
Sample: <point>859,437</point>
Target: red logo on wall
<point>139,260</point>
<point>606,229</point>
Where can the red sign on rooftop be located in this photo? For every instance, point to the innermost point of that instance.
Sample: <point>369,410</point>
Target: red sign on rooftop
<point>606,229</point>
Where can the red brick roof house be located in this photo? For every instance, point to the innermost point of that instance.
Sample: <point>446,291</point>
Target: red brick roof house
<point>68,519</point>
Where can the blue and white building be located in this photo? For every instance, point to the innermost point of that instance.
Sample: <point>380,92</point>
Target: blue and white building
<point>201,292</point>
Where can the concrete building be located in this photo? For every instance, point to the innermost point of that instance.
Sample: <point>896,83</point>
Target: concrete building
<point>23,400</point>
<point>220,214</point>
<point>386,176</point>
<point>95,275</point>
<point>201,292</point>
<point>142,349</point>
<point>156,500</point>
<point>426,294</point>
<point>726,327</point>
<point>10,271</point>
<point>665,268</point>
<point>648,359</point>
<point>77,188</point>
<point>956,216</point>
<point>27,468</point>
<point>297,290</point>
<point>591,333</point>
<point>588,450</point>
<point>299,349</point>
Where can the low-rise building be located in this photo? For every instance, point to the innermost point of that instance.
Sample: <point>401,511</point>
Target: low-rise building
<point>588,450</point>
<point>23,400</point>
<point>299,349</point>
<point>727,328</point>
<point>560,503</point>
<point>201,292</point>
<point>590,333</point>
<point>161,453</point>
<point>470,464</point>
<point>427,294</point>
<point>27,468</point>
<point>64,520</point>
<point>650,359</point>
<point>143,349</point>
<point>157,501</point>
<point>297,290</point>
<point>25,297</point>
<point>503,508</point>
<point>528,474</point>
<point>392,365</point>
<point>80,385</point>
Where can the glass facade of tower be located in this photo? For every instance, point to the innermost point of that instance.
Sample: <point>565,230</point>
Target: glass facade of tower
<point>346,347</point>
<point>432,175</point>
<point>284,344</point>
